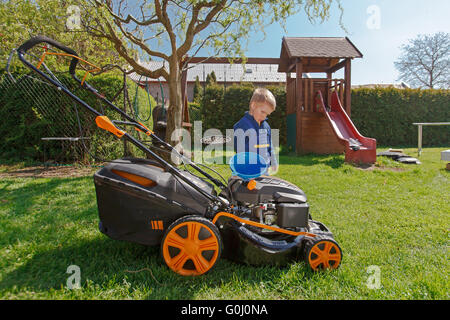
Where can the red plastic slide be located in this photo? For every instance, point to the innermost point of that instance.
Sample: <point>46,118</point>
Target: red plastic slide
<point>358,149</point>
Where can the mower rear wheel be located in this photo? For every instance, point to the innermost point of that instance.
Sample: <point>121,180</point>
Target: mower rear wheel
<point>191,246</point>
<point>322,252</point>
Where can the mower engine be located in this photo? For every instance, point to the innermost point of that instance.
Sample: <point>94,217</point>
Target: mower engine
<point>271,201</point>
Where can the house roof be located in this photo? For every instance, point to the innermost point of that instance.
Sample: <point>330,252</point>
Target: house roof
<point>224,72</point>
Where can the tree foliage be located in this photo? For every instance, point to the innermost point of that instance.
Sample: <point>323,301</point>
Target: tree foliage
<point>57,19</point>
<point>164,29</point>
<point>176,30</point>
<point>211,78</point>
<point>425,61</point>
<point>198,90</point>
<point>129,31</point>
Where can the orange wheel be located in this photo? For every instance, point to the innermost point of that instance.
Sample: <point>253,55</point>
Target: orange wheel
<point>322,253</point>
<point>191,246</point>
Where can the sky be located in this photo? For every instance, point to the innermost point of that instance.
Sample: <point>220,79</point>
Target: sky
<point>377,28</point>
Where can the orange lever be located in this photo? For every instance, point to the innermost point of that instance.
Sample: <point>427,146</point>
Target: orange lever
<point>148,132</point>
<point>251,185</point>
<point>104,123</point>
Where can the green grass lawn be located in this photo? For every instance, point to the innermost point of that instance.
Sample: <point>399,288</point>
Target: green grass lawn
<point>394,216</point>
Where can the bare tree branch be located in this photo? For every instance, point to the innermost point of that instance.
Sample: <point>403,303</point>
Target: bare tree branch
<point>121,49</point>
<point>425,61</point>
<point>152,20</point>
<point>140,43</point>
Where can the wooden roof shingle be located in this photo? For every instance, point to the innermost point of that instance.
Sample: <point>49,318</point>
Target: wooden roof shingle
<point>321,48</point>
<point>316,48</point>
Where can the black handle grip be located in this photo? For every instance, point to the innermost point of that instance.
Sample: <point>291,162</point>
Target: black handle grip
<point>39,39</point>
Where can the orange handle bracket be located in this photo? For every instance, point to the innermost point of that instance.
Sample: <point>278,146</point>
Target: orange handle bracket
<point>104,123</point>
<point>148,132</point>
<point>46,52</point>
<point>260,225</point>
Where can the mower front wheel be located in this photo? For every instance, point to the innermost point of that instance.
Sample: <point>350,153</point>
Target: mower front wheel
<point>322,252</point>
<point>191,246</point>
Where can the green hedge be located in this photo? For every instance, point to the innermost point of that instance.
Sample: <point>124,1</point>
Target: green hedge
<point>221,109</point>
<point>385,114</point>
<point>388,114</point>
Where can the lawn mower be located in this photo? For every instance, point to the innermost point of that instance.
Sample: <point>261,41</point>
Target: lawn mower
<point>191,212</point>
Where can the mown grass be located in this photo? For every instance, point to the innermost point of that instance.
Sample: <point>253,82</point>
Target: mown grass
<point>395,217</point>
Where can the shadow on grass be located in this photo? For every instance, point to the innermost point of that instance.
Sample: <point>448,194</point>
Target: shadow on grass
<point>22,198</point>
<point>46,201</point>
<point>334,161</point>
<point>105,264</point>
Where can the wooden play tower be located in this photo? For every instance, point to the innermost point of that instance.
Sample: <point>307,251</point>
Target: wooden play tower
<point>318,109</point>
<point>308,130</point>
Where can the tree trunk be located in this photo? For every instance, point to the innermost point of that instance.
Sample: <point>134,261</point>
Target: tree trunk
<point>174,114</point>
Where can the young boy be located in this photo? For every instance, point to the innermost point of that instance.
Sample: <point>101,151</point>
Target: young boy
<point>252,133</point>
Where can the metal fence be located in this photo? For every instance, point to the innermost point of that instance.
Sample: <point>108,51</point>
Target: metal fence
<point>43,124</point>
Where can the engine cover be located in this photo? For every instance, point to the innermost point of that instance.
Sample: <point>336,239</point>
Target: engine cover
<point>268,189</point>
<point>290,215</point>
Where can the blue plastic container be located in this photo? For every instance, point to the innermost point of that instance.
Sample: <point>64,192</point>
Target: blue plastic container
<point>248,165</point>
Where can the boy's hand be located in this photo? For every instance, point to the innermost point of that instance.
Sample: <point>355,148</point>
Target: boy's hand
<point>273,169</point>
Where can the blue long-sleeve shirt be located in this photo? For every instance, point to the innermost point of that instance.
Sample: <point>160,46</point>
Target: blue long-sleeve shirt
<point>249,136</point>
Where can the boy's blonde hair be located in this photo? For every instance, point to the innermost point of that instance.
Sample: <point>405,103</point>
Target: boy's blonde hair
<point>261,95</point>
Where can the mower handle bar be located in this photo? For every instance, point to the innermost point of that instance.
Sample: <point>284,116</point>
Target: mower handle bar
<point>73,64</point>
<point>40,39</point>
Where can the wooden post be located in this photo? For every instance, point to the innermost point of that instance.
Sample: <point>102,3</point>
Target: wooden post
<point>290,96</point>
<point>348,86</point>
<point>306,95</point>
<point>185,121</point>
<point>299,103</point>
<point>299,80</point>
<point>329,79</point>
